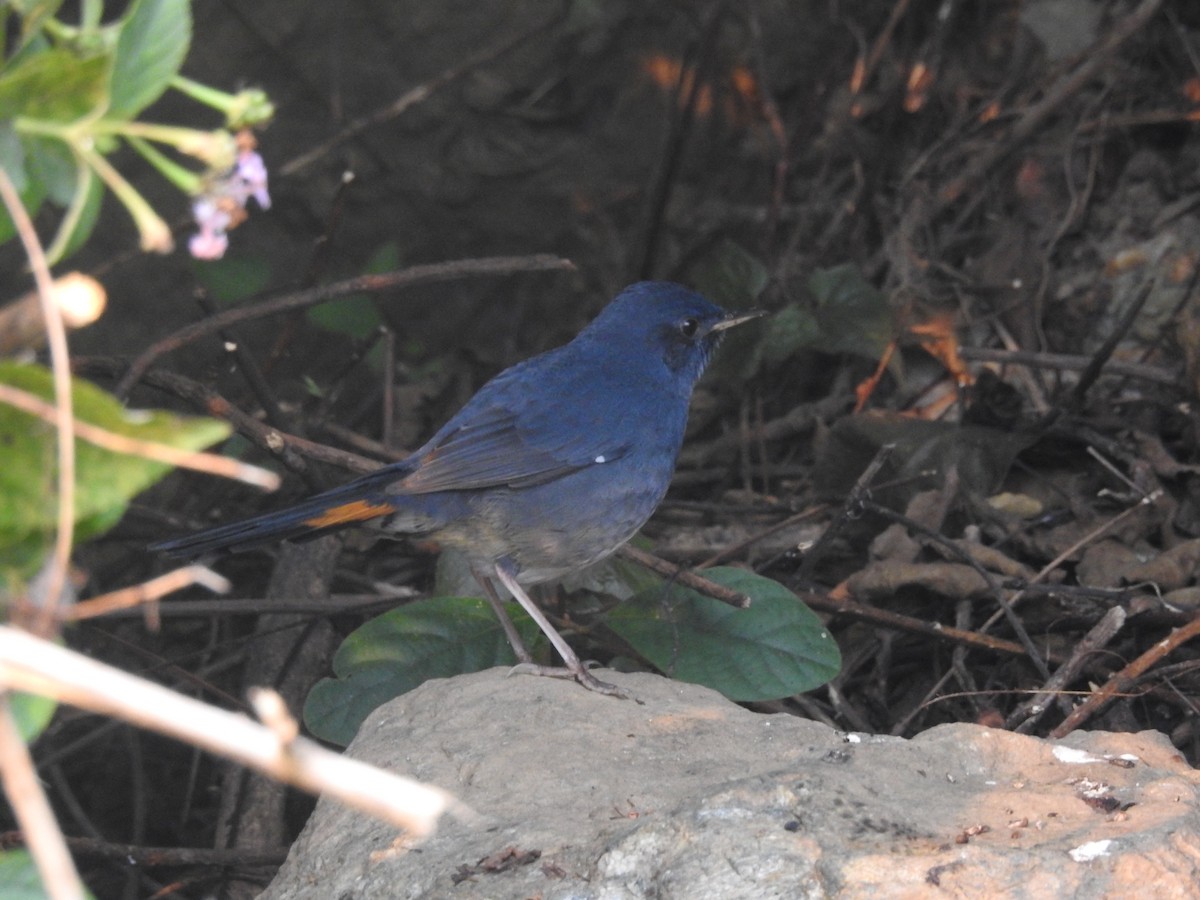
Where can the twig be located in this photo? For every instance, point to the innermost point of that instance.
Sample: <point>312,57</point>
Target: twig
<point>28,663</point>
<point>683,576</point>
<point>150,857</point>
<point>51,595</point>
<point>1122,680</point>
<point>1066,361</point>
<point>163,453</point>
<point>994,588</point>
<point>33,812</point>
<point>692,79</point>
<point>850,508</point>
<point>899,622</point>
<point>409,99</point>
<point>737,547</point>
<point>1027,715</point>
<point>148,592</point>
<point>289,448</point>
<point>1058,93</point>
<point>413,275</point>
<point>1105,350</point>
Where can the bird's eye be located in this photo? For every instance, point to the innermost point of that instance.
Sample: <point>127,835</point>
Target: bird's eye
<point>688,327</point>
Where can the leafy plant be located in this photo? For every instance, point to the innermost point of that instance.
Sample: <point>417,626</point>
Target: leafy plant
<point>776,648</point>
<point>70,95</point>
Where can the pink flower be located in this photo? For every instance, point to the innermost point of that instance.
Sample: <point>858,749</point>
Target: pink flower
<point>223,205</point>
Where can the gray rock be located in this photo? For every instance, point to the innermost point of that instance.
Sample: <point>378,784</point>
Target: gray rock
<point>686,795</point>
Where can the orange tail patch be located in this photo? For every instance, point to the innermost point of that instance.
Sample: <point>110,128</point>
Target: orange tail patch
<point>344,513</point>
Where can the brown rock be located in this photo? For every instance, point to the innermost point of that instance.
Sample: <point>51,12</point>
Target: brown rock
<point>685,795</point>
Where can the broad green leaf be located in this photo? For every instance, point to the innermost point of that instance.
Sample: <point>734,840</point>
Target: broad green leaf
<point>730,275</point>
<point>14,161</point>
<point>153,41</point>
<point>33,14</point>
<point>19,878</point>
<point>105,481</point>
<point>80,218</point>
<point>853,314</point>
<point>776,648</point>
<point>32,713</point>
<point>51,162</point>
<point>396,652</point>
<point>56,86</point>
<point>234,278</point>
<point>354,316</point>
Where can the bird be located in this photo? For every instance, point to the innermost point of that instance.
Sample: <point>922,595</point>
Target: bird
<point>551,466</point>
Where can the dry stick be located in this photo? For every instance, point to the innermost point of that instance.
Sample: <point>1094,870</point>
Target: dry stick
<point>289,448</point>
<point>683,576</point>
<point>888,619</point>
<point>149,857</point>
<point>148,592</point>
<point>1124,679</point>
<point>409,99</point>
<point>1031,120</point>
<point>51,596</point>
<point>736,548</point>
<point>997,592</point>
<point>33,812</point>
<point>28,663</point>
<point>1100,357</point>
<point>850,508</point>
<point>1028,714</point>
<point>413,275</point>
<point>659,195</point>
<point>1067,361</point>
<point>152,450</point>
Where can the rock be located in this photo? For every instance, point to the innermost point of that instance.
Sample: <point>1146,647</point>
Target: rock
<point>683,794</point>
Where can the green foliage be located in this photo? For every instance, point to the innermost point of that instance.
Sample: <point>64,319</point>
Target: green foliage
<point>395,652</point>
<point>105,481</point>
<point>232,279</point>
<point>32,714</point>
<point>19,879</point>
<point>355,315</point>
<point>70,95</point>
<point>776,648</point>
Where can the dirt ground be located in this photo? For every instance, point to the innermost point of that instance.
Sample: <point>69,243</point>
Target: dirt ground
<point>978,229</point>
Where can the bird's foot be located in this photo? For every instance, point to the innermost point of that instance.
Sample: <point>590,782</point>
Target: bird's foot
<point>582,675</point>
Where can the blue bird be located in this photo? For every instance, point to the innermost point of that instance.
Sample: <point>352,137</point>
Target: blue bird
<point>554,464</point>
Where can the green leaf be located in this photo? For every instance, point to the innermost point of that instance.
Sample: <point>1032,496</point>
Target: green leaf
<point>853,314</point>
<point>234,278</point>
<point>730,275</point>
<point>34,13</point>
<point>105,481</point>
<point>80,218</point>
<point>19,878</point>
<point>153,41</point>
<point>354,316</point>
<point>32,713</point>
<point>396,652</point>
<point>776,648</point>
<point>51,162</point>
<point>56,86</point>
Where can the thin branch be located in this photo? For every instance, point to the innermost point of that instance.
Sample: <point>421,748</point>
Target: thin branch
<point>413,275</point>
<point>1122,680</point>
<point>152,450</point>
<point>148,592</point>
<point>59,363</point>
<point>33,812</point>
<point>28,663</point>
<point>688,579</point>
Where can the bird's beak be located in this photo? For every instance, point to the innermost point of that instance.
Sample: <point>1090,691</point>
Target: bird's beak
<point>738,319</point>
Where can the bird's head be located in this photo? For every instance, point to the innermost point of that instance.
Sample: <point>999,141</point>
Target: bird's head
<point>664,319</point>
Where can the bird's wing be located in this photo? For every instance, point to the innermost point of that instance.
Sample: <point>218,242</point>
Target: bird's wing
<point>501,447</point>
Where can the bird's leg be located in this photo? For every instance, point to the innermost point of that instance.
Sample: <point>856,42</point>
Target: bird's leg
<point>574,668</point>
<point>510,630</point>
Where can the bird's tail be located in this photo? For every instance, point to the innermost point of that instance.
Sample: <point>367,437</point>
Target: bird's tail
<point>359,501</point>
